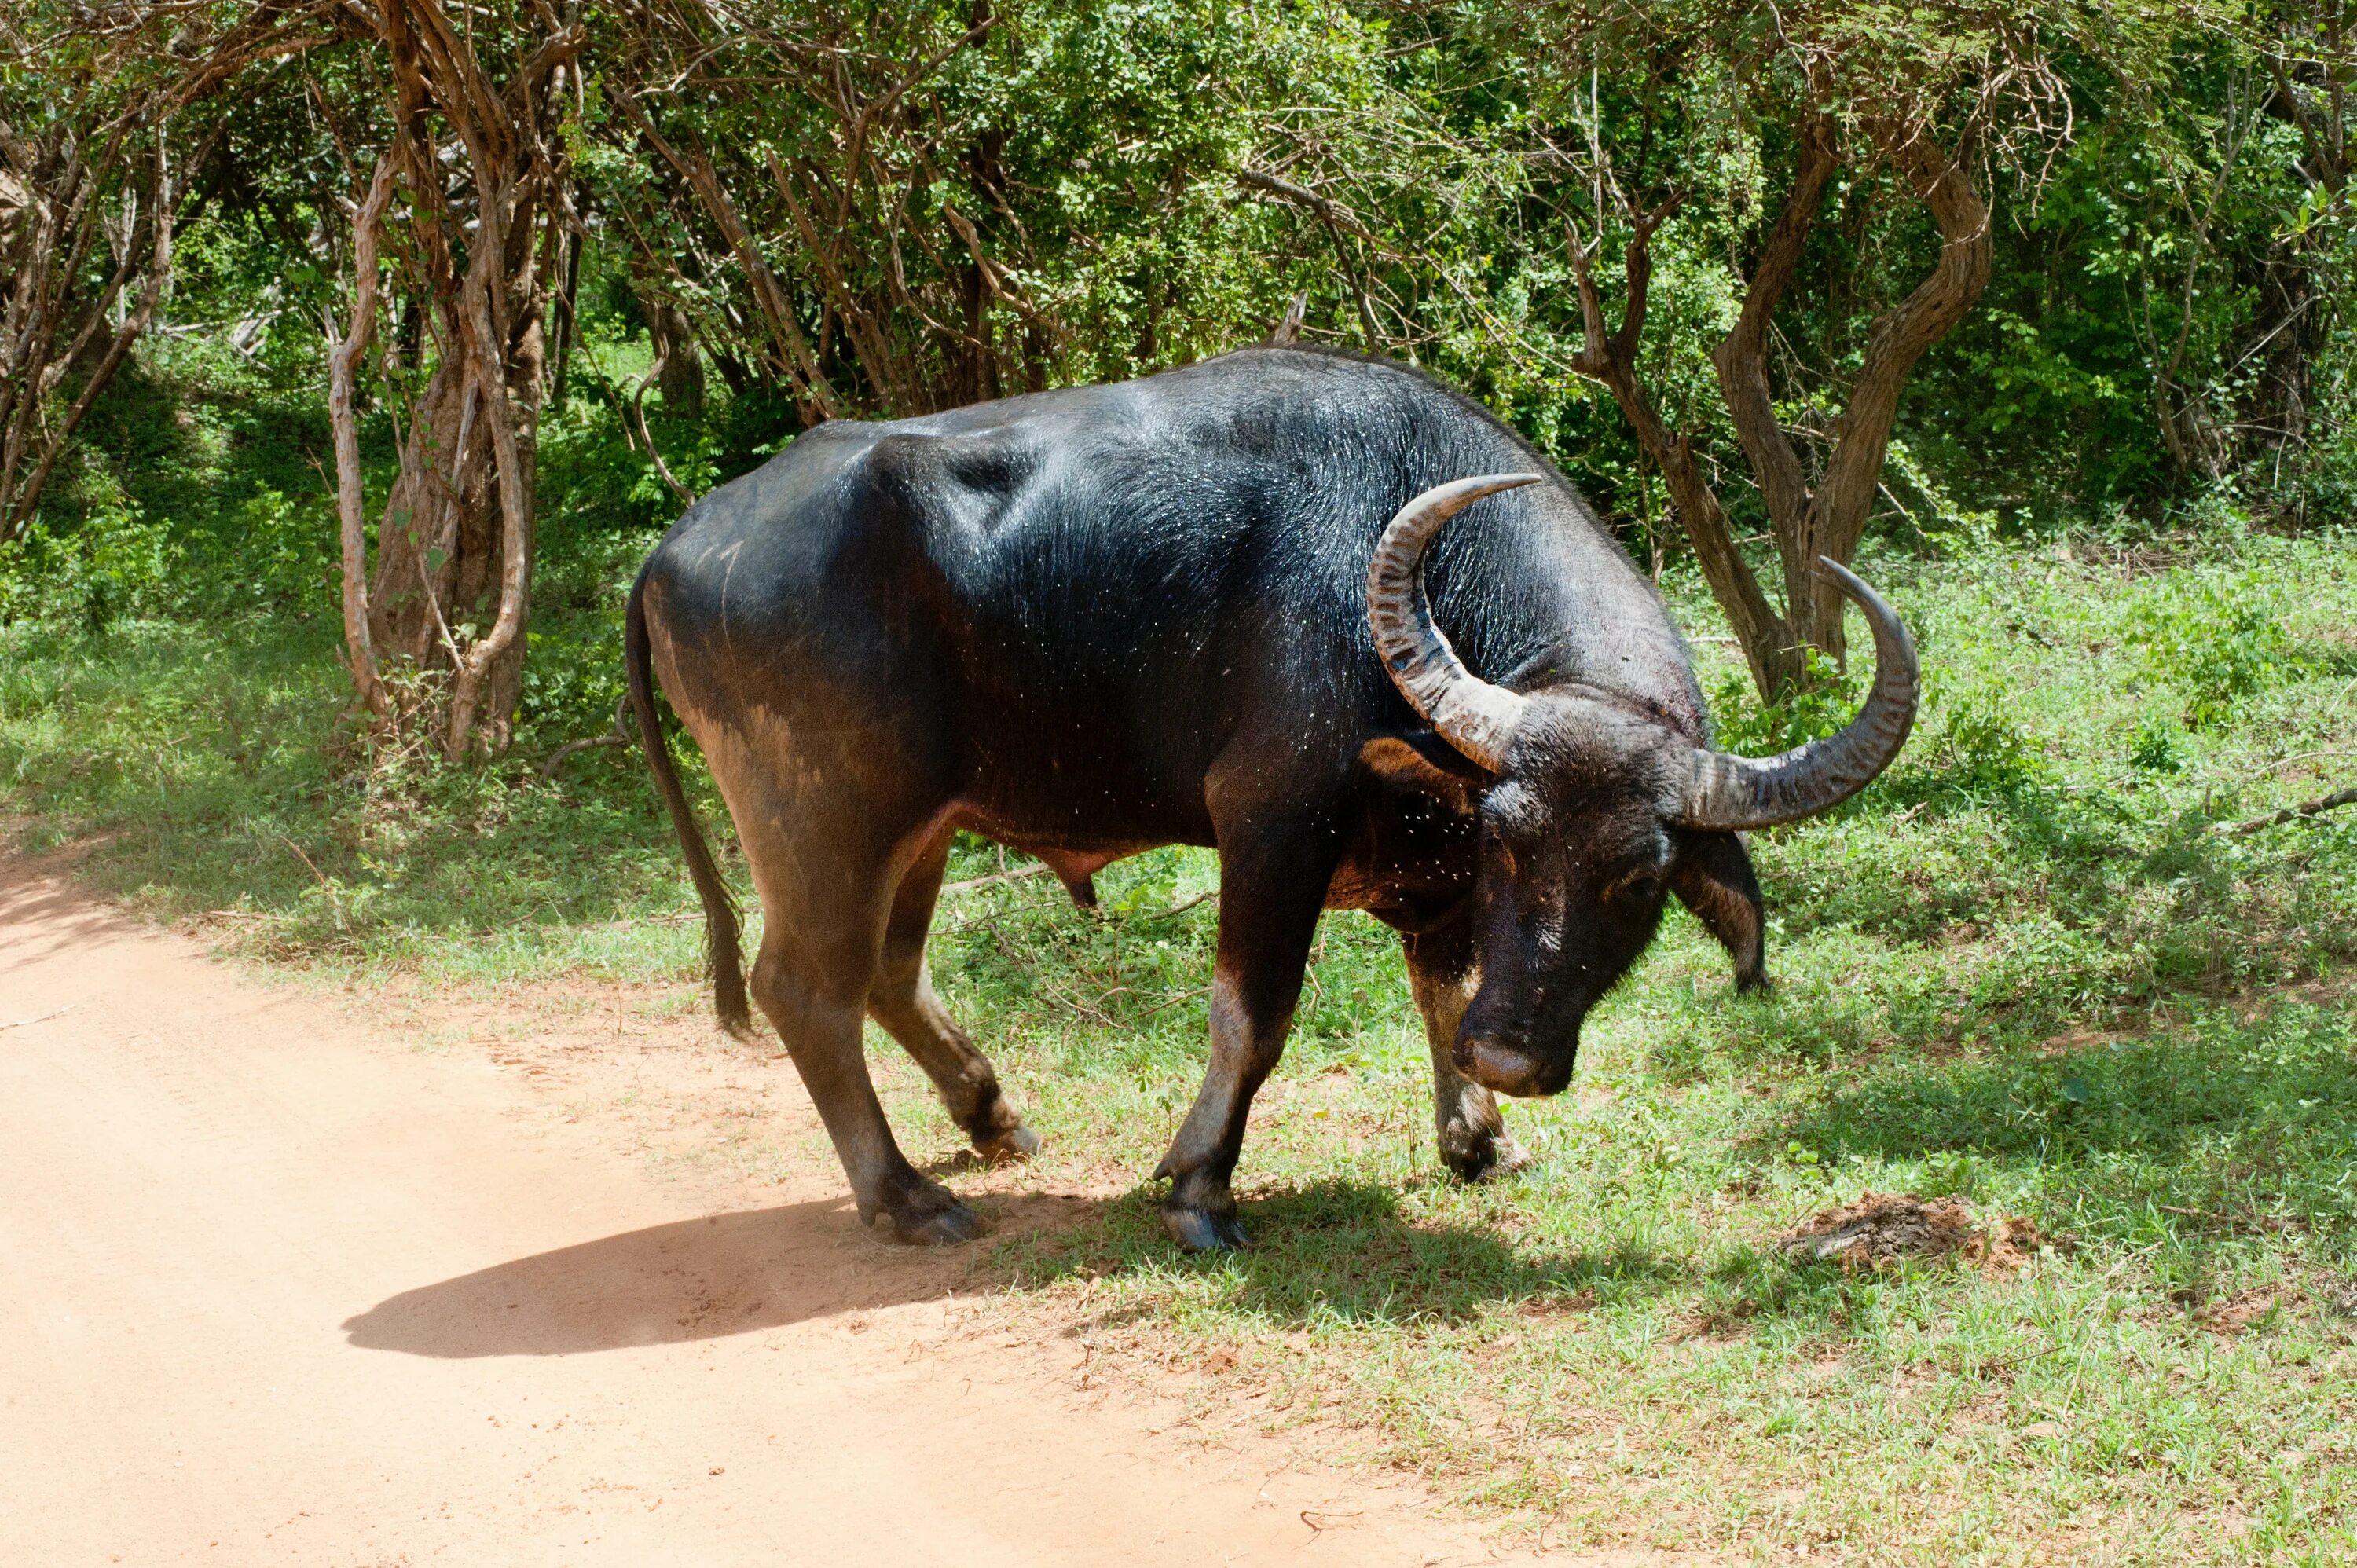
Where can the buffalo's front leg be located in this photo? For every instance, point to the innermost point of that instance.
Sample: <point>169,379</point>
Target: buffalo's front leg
<point>1272,887</point>
<point>1473,1139</point>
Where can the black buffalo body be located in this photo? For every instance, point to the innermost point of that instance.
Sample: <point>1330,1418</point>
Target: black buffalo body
<point>1086,623</point>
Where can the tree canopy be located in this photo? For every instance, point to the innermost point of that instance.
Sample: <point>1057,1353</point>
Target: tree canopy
<point>1762,278</point>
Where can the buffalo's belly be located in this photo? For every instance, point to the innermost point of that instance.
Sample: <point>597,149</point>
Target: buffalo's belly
<point>1059,837</point>
<point>1044,798</point>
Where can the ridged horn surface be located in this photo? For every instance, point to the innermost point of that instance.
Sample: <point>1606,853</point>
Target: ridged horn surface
<point>1476,717</point>
<point>1727,792</point>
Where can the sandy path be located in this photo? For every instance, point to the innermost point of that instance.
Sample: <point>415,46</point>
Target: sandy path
<point>274,1289</point>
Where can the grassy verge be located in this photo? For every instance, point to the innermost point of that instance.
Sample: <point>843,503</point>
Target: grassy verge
<point>2022,968</point>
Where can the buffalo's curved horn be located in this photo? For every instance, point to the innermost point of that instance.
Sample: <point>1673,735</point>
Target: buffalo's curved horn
<point>1728,792</point>
<point>1476,717</point>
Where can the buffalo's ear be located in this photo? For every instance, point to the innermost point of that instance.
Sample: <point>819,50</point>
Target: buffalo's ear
<point>1711,876</point>
<point>1435,768</point>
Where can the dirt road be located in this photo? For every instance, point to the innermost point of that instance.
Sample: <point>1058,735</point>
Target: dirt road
<point>279,1286</point>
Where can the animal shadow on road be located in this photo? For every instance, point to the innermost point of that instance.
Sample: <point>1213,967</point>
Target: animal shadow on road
<point>1328,1248</point>
<point>704,1278</point>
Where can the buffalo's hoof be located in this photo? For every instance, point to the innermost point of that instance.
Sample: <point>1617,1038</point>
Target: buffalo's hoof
<point>1204,1230</point>
<point>940,1228</point>
<point>1017,1143</point>
<point>926,1215</point>
<point>1498,1155</point>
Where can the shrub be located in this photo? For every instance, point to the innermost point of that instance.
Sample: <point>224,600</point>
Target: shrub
<point>2215,642</point>
<point>87,576</point>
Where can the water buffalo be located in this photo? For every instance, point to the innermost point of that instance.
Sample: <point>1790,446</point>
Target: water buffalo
<point>1090,622</point>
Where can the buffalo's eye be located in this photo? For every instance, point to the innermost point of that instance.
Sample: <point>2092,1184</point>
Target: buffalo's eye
<point>1506,859</point>
<point>1638,883</point>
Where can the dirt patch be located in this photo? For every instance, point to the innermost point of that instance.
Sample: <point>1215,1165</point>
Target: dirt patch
<point>2235,1313</point>
<point>1878,1231</point>
<point>2007,1246</point>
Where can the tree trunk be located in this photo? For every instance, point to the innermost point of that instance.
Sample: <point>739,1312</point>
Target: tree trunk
<point>681,376</point>
<point>351,504</point>
<point>1836,514</point>
<point>51,321</point>
<point>568,319</point>
<point>451,589</point>
<point>1807,522</point>
<point>2294,337</point>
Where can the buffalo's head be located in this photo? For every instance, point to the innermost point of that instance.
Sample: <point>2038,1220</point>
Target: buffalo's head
<point>1592,811</point>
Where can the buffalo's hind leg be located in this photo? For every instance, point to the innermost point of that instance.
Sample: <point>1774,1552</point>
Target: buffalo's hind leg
<point>901,999</point>
<point>1473,1139</point>
<point>821,1021</point>
<point>825,908</point>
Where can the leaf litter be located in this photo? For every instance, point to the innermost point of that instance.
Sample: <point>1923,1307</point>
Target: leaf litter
<point>1880,1229</point>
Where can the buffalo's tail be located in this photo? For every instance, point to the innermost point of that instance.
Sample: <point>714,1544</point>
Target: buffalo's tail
<point>719,905</point>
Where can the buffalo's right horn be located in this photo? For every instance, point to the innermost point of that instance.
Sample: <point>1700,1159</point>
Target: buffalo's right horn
<point>1476,717</point>
<point>1725,792</point>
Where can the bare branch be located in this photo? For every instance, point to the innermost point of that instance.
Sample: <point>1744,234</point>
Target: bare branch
<point>1333,212</point>
<point>351,500</point>
<point>1741,356</point>
<point>1610,358</point>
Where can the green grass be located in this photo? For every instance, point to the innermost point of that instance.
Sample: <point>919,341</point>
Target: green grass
<point>2021,968</point>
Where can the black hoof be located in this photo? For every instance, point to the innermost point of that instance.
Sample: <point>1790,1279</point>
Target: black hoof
<point>941,1227</point>
<point>926,1215</point>
<point>1204,1231</point>
<point>1017,1143</point>
<point>1496,1157</point>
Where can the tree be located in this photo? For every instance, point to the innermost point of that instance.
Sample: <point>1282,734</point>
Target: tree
<point>1902,113</point>
<point>893,207</point>
<point>84,180</point>
<point>90,190</point>
<point>107,122</point>
<point>2309,50</point>
<point>474,185</point>
<point>1813,514</point>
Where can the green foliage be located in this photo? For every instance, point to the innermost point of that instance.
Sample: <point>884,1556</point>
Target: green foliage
<point>2154,748</point>
<point>90,575</point>
<point>1981,748</point>
<point>2216,641</point>
<point>1744,723</point>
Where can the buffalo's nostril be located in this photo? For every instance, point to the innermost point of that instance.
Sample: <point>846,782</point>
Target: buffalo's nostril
<point>1507,1066</point>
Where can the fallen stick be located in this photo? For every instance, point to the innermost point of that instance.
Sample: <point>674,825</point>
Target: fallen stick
<point>41,1018</point>
<point>618,735</point>
<point>2315,808</point>
<point>1036,868</point>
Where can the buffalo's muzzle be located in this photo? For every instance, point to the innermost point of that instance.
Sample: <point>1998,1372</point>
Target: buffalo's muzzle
<point>1505,1066</point>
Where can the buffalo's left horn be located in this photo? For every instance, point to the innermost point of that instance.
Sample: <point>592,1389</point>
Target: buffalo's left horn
<point>1725,792</point>
<point>1476,717</point>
